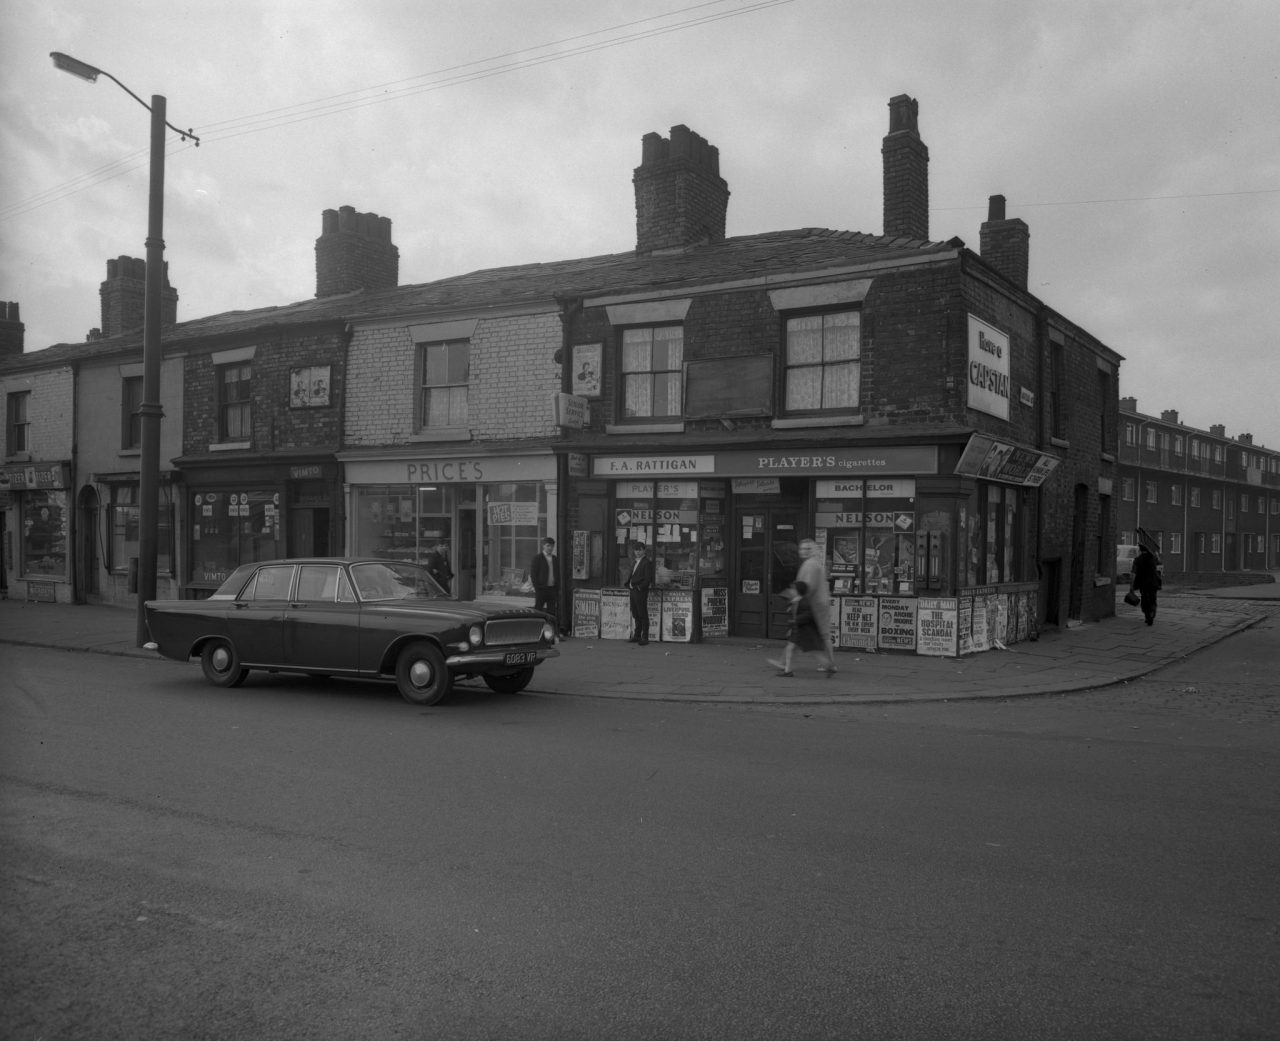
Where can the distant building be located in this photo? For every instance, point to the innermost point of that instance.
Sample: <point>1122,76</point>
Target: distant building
<point>1210,501</point>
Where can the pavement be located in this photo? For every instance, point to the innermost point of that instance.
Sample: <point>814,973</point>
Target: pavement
<point>1080,657</point>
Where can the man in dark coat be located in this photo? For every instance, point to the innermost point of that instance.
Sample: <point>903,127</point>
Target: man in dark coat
<point>437,565</point>
<point>544,572</point>
<point>1146,580</point>
<point>638,582</point>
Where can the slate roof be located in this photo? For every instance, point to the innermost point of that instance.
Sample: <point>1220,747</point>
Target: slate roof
<point>745,256</point>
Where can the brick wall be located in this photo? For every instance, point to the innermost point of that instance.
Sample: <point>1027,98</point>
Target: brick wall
<point>50,409</point>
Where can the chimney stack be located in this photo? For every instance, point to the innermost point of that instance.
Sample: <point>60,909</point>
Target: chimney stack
<point>354,251</point>
<point>1245,439</point>
<point>124,296</point>
<point>1128,404</point>
<point>12,331</point>
<point>1005,243</point>
<point>1169,415</point>
<point>906,172</point>
<point>1218,430</point>
<point>681,199</point>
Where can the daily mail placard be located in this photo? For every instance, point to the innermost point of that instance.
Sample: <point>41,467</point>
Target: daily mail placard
<point>938,626</point>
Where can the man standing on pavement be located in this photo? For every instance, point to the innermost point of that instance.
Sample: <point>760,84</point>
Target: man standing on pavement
<point>544,576</point>
<point>437,565</point>
<point>639,581</point>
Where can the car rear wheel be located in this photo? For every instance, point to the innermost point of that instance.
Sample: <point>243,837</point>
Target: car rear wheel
<point>512,684</point>
<point>221,664</point>
<point>421,675</point>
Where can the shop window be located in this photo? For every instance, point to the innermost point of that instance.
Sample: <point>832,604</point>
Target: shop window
<point>17,428</point>
<point>994,537</point>
<point>445,374</point>
<point>515,523</point>
<point>870,534</point>
<point>130,412</point>
<point>235,401</point>
<point>652,372</point>
<point>823,367</point>
<point>230,527</point>
<point>44,534</point>
<point>122,526</point>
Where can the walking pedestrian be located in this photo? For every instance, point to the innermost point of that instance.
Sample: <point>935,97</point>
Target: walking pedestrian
<point>1145,582</point>
<point>818,594</point>
<point>803,633</point>
<point>437,565</point>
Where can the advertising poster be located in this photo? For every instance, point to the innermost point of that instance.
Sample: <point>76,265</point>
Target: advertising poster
<point>615,614</point>
<point>586,613</point>
<point>937,621</point>
<point>981,636</point>
<point>715,612</point>
<point>858,622</point>
<point>997,619</point>
<point>580,559</point>
<point>677,616</point>
<point>655,614</point>
<point>965,625</point>
<point>897,623</point>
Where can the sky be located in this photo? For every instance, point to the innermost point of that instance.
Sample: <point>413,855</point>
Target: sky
<point>1139,140</point>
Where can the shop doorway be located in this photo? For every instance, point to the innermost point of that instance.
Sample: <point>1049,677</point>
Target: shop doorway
<point>465,556</point>
<point>767,558</point>
<point>308,532</point>
<point>87,555</point>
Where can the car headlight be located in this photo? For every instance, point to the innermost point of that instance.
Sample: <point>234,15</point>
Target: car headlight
<point>476,635</point>
<point>548,633</point>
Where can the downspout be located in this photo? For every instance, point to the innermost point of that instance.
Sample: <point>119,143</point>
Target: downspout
<point>569,308</point>
<point>78,583</point>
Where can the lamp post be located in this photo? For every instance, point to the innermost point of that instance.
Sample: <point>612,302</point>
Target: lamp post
<point>150,410</point>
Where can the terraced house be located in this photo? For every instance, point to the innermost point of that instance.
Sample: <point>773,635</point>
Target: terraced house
<point>947,438</point>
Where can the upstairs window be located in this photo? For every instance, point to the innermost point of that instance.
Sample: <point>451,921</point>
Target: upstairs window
<point>823,361</point>
<point>653,372</point>
<point>235,401</point>
<point>446,373</point>
<point>130,414</point>
<point>17,428</point>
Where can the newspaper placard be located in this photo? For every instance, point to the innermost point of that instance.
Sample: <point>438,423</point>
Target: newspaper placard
<point>580,559</point>
<point>858,622</point>
<point>715,612</point>
<point>897,623</point>
<point>655,614</point>
<point>980,640</point>
<point>965,625</point>
<point>586,613</point>
<point>937,621</point>
<point>615,614</point>
<point>677,615</point>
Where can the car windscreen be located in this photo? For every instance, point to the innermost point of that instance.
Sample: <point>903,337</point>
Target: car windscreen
<point>390,580</point>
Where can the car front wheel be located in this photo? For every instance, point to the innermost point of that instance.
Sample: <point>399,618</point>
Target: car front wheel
<point>221,664</point>
<point>512,684</point>
<point>421,675</point>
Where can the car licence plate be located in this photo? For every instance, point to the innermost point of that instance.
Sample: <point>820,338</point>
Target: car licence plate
<point>520,657</point>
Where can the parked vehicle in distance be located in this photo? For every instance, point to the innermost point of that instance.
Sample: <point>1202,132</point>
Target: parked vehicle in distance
<point>1125,555</point>
<point>354,617</point>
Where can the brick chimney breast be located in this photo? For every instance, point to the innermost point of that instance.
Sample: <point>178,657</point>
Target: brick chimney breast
<point>681,199</point>
<point>906,172</point>
<point>355,251</point>
<point>124,295</point>
<point>1006,244</point>
<point>12,331</point>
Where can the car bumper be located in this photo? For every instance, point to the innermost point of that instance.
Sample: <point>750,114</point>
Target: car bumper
<point>496,658</point>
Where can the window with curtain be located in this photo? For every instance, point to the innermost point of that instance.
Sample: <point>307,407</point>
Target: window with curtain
<point>653,372</point>
<point>823,361</point>
<point>445,369</point>
<point>235,401</point>
<point>17,436</point>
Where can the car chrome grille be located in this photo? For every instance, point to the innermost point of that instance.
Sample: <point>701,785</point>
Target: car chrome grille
<point>512,630</point>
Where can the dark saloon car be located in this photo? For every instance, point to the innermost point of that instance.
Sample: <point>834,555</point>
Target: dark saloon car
<point>364,618</point>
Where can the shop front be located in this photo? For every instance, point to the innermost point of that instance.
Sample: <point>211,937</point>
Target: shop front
<point>238,513</point>
<point>479,518</point>
<point>897,527</point>
<point>37,530</point>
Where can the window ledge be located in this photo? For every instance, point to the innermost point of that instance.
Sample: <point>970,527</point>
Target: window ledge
<point>230,446</point>
<point>1107,457</point>
<point>18,457</point>
<point>818,421</point>
<point>1059,442</point>
<point>441,434</point>
<point>644,428</point>
<point>131,452</point>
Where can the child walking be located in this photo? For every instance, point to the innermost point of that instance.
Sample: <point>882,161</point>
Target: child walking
<point>804,633</point>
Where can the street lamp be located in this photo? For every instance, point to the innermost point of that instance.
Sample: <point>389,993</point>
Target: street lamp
<point>150,411</point>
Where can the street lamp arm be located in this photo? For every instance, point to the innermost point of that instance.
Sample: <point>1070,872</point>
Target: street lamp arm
<point>91,73</point>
